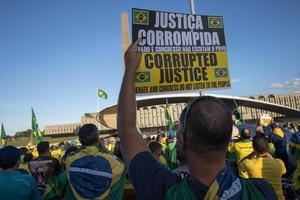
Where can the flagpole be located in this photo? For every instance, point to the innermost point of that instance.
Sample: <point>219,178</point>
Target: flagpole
<point>98,102</point>
<point>192,5</point>
<point>31,135</point>
<point>193,11</point>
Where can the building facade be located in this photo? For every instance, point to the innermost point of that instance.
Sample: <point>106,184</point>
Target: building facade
<point>288,100</point>
<point>152,118</point>
<point>71,129</point>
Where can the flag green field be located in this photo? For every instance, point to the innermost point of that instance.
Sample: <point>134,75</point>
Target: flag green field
<point>102,94</point>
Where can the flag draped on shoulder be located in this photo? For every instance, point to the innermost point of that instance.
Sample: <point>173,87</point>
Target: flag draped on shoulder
<point>102,94</point>
<point>35,128</point>
<point>168,116</point>
<point>238,115</point>
<point>3,136</point>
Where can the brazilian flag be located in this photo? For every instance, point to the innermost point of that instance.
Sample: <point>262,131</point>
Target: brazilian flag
<point>39,135</point>
<point>140,17</point>
<point>102,94</point>
<point>215,22</point>
<point>168,116</point>
<point>142,77</point>
<point>221,72</point>
<point>3,136</point>
<point>238,115</point>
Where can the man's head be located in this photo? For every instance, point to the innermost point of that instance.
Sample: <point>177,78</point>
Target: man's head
<point>245,133</point>
<point>260,144</point>
<point>259,129</point>
<point>274,125</point>
<point>159,137</point>
<point>9,157</point>
<point>205,126</point>
<point>88,135</point>
<point>23,150</point>
<point>43,148</point>
<point>155,149</point>
<point>111,140</point>
<point>28,157</point>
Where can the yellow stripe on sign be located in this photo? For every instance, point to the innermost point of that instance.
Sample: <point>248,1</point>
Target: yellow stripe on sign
<point>183,71</point>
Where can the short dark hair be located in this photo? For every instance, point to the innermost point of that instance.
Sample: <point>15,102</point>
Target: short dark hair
<point>28,157</point>
<point>88,135</point>
<point>71,149</point>
<point>208,124</point>
<point>43,147</point>
<point>245,134</point>
<point>260,144</point>
<point>154,146</point>
<point>23,150</point>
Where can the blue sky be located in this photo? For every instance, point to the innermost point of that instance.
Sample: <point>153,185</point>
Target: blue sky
<point>54,54</point>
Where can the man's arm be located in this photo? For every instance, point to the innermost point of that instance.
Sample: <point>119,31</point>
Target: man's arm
<point>132,141</point>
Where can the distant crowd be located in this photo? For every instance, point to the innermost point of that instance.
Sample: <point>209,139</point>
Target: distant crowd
<point>208,158</point>
<point>57,172</point>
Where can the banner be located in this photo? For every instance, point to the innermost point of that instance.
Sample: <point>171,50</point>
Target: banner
<point>265,119</point>
<point>180,52</point>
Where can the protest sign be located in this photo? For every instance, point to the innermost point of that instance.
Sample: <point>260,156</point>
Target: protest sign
<point>265,119</point>
<point>180,52</point>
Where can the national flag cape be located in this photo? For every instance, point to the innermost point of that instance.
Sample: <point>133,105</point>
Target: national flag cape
<point>238,115</point>
<point>35,128</point>
<point>102,94</point>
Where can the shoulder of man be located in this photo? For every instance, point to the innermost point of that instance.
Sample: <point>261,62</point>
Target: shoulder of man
<point>246,164</point>
<point>282,165</point>
<point>28,178</point>
<point>244,143</point>
<point>104,173</point>
<point>150,179</point>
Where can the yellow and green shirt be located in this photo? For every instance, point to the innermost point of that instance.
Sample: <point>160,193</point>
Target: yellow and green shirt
<point>267,168</point>
<point>241,149</point>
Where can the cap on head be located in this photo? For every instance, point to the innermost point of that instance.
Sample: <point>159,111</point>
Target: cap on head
<point>9,157</point>
<point>10,152</point>
<point>274,125</point>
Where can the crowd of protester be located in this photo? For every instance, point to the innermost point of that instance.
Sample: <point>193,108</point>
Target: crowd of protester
<point>203,160</point>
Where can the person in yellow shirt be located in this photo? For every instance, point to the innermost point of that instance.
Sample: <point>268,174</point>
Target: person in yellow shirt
<point>242,148</point>
<point>162,139</point>
<point>56,153</point>
<point>260,164</point>
<point>111,144</point>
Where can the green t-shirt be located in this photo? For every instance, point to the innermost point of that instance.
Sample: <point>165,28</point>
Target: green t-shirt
<point>63,186</point>
<point>171,156</point>
<point>18,186</point>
